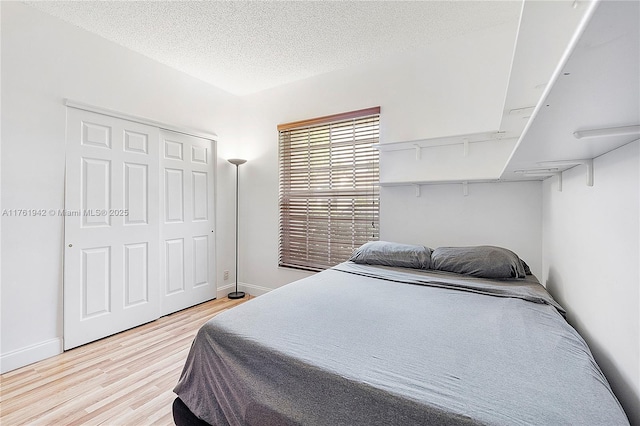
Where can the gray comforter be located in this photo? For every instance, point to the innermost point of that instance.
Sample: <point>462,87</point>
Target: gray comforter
<point>369,345</point>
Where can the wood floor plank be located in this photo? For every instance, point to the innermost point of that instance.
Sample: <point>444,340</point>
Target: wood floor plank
<point>123,379</point>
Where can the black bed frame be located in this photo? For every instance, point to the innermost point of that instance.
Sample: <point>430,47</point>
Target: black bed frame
<point>182,416</point>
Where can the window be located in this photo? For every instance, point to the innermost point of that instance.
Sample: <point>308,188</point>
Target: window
<point>329,188</point>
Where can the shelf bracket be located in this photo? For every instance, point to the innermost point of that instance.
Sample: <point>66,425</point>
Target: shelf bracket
<point>418,151</point>
<point>417,187</point>
<point>465,147</point>
<point>587,163</point>
<point>465,188</point>
<point>559,175</point>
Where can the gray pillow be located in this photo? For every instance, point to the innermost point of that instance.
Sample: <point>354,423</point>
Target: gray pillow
<point>480,261</point>
<point>393,254</point>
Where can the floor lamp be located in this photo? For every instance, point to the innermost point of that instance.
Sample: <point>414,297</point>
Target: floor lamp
<point>237,161</point>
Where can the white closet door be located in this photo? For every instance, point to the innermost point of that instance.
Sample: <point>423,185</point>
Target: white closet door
<point>187,204</point>
<point>112,243</point>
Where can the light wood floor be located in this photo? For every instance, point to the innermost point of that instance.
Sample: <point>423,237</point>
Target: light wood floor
<point>125,379</point>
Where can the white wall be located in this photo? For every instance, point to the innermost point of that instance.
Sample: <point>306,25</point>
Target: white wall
<point>591,263</point>
<point>505,214</point>
<point>44,61</point>
<point>454,87</point>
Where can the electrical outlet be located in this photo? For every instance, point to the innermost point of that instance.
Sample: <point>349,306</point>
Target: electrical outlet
<point>226,275</point>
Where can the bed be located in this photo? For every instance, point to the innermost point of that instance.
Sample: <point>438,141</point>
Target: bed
<point>374,343</point>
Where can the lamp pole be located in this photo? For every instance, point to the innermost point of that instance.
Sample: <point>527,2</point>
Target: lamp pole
<point>237,161</point>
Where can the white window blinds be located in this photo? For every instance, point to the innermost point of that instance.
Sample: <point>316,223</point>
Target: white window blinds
<point>329,188</point>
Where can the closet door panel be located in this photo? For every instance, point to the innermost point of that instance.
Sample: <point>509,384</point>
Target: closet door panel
<point>188,203</point>
<point>111,268</point>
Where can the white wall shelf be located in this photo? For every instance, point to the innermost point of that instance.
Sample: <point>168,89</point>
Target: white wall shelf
<point>418,184</point>
<point>481,156</point>
<point>437,182</point>
<point>463,140</point>
<point>454,159</point>
<point>590,106</point>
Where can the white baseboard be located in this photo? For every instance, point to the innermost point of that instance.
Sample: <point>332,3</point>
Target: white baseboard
<point>30,354</point>
<point>224,290</point>
<point>252,289</point>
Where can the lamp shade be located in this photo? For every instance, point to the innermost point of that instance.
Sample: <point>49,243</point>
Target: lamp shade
<point>236,161</point>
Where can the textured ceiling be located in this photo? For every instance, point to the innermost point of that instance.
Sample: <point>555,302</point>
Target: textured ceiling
<point>244,47</point>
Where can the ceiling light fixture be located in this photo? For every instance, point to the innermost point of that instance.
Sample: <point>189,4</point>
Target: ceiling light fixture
<point>611,131</point>
<point>543,172</point>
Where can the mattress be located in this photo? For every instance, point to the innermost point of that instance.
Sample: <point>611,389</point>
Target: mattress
<point>373,345</point>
